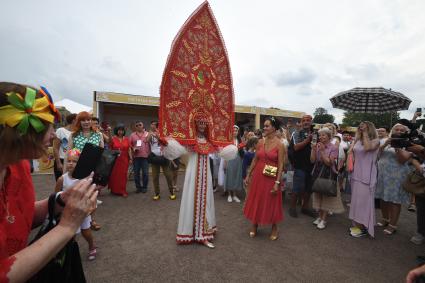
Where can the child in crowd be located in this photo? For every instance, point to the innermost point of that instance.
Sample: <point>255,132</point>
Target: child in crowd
<point>249,155</point>
<point>65,182</point>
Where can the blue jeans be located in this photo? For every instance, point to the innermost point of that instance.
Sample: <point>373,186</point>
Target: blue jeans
<point>141,163</point>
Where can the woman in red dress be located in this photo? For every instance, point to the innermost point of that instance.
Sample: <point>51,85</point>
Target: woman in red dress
<point>264,201</point>
<point>26,130</point>
<point>118,180</point>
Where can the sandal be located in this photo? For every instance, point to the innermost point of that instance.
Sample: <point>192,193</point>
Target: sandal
<point>390,230</point>
<point>92,254</point>
<point>383,223</point>
<point>253,231</point>
<point>94,226</point>
<point>208,244</point>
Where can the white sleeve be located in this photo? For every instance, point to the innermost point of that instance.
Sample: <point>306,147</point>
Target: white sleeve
<point>229,152</point>
<point>173,150</point>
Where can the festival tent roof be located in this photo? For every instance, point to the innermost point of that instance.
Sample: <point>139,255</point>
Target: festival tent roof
<point>72,106</point>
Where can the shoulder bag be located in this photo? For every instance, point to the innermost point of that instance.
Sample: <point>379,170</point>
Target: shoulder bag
<point>415,183</point>
<point>325,185</point>
<point>66,266</point>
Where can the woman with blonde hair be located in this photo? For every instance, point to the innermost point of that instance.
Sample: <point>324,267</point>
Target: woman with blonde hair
<point>363,180</point>
<point>324,156</point>
<point>392,171</point>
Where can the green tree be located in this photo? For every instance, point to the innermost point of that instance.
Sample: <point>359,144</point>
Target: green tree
<point>380,120</point>
<point>321,116</point>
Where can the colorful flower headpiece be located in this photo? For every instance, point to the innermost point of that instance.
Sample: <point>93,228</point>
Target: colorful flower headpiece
<point>23,112</point>
<point>73,152</point>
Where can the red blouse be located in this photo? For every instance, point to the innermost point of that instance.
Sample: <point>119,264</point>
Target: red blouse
<point>20,197</point>
<point>123,146</point>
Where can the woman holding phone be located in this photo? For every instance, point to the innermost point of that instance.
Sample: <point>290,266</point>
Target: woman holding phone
<point>26,130</point>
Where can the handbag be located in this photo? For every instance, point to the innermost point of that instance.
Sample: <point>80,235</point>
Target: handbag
<point>269,170</point>
<point>414,183</point>
<point>104,167</point>
<point>66,266</point>
<point>156,159</point>
<point>325,185</point>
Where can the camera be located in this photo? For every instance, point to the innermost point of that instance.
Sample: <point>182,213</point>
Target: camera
<point>414,136</point>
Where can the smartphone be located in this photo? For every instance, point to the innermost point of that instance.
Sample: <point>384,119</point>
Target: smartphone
<point>419,110</point>
<point>88,161</point>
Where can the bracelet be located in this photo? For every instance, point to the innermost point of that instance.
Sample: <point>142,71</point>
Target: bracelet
<point>277,182</point>
<point>59,200</point>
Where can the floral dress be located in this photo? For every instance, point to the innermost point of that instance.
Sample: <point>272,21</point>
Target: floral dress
<point>391,175</point>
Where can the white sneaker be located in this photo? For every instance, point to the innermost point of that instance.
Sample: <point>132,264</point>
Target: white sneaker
<point>99,202</point>
<point>418,239</point>
<point>321,225</point>
<point>236,199</point>
<point>317,221</point>
<point>229,198</point>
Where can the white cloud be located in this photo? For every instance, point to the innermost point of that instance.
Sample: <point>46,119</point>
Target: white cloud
<point>290,54</point>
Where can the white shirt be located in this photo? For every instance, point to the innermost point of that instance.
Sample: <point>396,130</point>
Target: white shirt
<point>382,141</point>
<point>155,147</point>
<point>63,135</point>
<point>344,145</point>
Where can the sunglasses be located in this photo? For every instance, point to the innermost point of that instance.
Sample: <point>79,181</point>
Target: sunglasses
<point>139,125</point>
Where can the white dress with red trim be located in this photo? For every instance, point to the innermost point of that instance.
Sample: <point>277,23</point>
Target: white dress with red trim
<point>197,212</point>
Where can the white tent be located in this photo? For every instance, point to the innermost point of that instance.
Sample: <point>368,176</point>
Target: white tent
<point>72,106</point>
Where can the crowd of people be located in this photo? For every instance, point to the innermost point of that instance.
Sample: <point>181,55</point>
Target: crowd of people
<point>261,167</point>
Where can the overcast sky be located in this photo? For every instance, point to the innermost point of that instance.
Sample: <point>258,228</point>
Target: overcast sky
<point>293,55</point>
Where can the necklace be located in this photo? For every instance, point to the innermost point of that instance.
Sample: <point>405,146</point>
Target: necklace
<point>9,218</point>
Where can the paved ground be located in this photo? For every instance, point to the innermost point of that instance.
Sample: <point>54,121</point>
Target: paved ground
<point>137,244</point>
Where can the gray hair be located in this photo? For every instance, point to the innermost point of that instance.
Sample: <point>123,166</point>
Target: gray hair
<point>326,131</point>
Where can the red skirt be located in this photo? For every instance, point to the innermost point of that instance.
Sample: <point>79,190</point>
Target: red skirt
<point>262,207</point>
<point>118,180</point>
